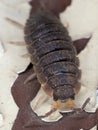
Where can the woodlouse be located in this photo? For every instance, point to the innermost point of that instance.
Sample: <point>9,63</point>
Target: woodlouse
<point>53,55</point>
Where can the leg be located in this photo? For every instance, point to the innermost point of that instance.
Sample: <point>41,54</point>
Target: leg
<point>31,77</point>
<point>40,98</point>
<point>56,106</point>
<point>15,23</point>
<point>69,105</point>
<point>39,101</point>
<point>26,55</point>
<point>17,43</point>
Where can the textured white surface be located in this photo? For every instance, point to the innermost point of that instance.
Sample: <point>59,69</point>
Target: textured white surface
<point>82,18</point>
<point>94,128</point>
<point>11,57</point>
<point>1,120</point>
<point>89,79</point>
<point>14,2</point>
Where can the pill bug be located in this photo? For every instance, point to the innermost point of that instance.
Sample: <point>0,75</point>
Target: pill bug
<point>53,55</point>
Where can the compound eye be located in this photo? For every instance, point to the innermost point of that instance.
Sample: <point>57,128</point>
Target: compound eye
<point>55,97</point>
<point>72,97</point>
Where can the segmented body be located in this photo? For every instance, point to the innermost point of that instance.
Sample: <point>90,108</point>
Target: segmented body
<point>52,54</point>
